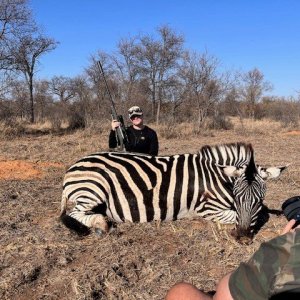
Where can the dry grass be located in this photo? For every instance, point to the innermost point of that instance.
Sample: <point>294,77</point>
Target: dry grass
<point>258,127</point>
<point>41,259</point>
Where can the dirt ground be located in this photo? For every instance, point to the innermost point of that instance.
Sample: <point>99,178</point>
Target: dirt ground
<point>41,259</point>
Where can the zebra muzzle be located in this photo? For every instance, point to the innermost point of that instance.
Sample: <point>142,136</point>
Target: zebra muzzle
<point>243,236</point>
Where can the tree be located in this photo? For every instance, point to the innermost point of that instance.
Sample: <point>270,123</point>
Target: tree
<point>82,109</point>
<point>5,83</point>
<point>63,87</point>
<point>15,19</point>
<point>127,65</point>
<point>158,60</point>
<point>43,99</point>
<point>200,75</point>
<point>252,88</point>
<point>96,81</point>
<point>19,94</point>
<point>14,16</point>
<point>26,57</point>
<point>176,93</point>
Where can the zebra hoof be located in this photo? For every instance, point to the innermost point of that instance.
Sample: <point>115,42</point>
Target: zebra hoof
<point>99,232</point>
<point>111,229</point>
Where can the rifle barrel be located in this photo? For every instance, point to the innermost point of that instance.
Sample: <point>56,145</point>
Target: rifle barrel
<point>106,85</point>
<point>120,130</point>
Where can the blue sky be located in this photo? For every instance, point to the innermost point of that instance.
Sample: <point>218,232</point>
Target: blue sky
<point>241,34</point>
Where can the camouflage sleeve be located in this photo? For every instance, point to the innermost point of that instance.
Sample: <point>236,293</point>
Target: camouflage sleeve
<point>258,278</point>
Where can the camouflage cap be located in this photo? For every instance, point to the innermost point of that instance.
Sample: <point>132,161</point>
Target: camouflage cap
<point>134,111</point>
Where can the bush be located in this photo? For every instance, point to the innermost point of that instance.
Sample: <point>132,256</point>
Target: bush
<point>285,111</point>
<point>6,112</point>
<point>76,120</point>
<point>169,131</point>
<point>12,128</point>
<point>220,121</point>
<point>56,123</point>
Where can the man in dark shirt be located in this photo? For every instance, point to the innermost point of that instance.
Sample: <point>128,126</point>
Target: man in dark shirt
<point>142,139</point>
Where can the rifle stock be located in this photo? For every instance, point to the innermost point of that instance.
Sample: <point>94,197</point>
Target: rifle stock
<point>121,133</point>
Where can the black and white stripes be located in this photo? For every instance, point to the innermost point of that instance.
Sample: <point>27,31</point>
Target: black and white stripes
<point>216,183</point>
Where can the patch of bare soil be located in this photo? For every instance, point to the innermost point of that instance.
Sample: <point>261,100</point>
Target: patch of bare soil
<point>25,170</point>
<point>292,132</point>
<point>41,259</point>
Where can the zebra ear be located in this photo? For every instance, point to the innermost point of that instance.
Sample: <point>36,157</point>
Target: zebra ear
<point>232,171</point>
<point>272,172</point>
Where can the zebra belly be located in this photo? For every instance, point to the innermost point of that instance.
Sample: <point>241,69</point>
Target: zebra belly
<point>129,218</point>
<point>227,216</point>
<point>134,210</point>
<point>152,211</point>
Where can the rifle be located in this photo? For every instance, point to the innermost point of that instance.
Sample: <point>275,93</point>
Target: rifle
<point>121,132</point>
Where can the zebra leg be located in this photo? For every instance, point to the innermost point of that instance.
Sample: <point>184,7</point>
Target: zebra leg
<point>82,218</point>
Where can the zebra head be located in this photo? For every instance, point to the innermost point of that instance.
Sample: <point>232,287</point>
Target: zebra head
<point>249,189</point>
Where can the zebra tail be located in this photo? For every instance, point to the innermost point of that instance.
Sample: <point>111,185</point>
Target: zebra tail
<point>70,222</point>
<point>75,225</point>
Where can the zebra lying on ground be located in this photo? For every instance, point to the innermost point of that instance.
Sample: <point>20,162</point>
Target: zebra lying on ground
<point>219,183</point>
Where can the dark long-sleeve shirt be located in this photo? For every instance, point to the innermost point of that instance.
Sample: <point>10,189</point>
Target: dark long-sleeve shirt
<point>141,141</point>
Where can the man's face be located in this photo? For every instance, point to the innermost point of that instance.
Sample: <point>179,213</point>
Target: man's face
<point>137,120</point>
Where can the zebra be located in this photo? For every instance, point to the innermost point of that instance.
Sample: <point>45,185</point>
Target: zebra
<point>220,183</point>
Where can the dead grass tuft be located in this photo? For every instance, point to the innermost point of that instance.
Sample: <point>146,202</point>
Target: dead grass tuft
<point>257,127</point>
<point>11,130</point>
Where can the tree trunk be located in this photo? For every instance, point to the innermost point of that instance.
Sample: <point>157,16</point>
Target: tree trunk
<point>153,102</point>
<point>158,111</point>
<point>159,103</point>
<point>31,99</point>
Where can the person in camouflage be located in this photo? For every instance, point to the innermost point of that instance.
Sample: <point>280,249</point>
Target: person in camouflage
<point>274,269</point>
<point>273,272</point>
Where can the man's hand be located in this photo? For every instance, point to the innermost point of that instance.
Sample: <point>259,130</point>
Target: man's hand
<point>114,124</point>
<point>289,227</point>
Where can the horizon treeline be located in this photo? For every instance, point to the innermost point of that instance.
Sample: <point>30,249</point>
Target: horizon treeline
<point>155,71</point>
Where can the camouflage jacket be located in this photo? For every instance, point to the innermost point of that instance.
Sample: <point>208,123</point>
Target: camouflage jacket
<point>273,269</point>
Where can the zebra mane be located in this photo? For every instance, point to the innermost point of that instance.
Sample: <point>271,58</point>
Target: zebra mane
<point>236,154</point>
